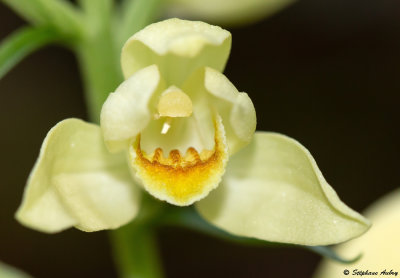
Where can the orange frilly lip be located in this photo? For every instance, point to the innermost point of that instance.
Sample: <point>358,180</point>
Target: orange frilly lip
<point>181,180</point>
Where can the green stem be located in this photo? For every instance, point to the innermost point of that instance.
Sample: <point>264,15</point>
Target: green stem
<point>135,245</point>
<point>98,55</point>
<point>134,15</point>
<point>135,251</point>
<point>100,71</point>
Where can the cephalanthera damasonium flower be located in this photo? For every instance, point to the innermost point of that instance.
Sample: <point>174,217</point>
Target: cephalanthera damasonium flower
<point>178,128</point>
<point>228,12</point>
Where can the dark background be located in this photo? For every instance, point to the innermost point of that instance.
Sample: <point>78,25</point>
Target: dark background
<point>323,72</point>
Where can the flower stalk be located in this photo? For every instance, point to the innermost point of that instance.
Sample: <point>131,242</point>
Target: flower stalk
<point>135,245</point>
<point>135,251</point>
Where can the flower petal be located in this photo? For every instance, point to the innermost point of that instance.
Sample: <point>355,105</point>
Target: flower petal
<point>7,271</point>
<point>379,247</point>
<point>178,47</point>
<point>181,178</point>
<point>226,11</point>
<point>127,111</point>
<point>273,190</point>
<point>235,108</point>
<point>76,182</point>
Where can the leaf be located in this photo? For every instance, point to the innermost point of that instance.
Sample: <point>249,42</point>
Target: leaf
<point>23,42</point>
<point>27,9</point>
<point>329,253</point>
<point>59,14</point>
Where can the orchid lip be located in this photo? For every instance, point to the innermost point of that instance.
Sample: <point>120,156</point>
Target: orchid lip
<point>181,179</point>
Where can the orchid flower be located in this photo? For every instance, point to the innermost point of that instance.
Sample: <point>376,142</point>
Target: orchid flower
<point>379,248</point>
<point>180,130</point>
<point>230,12</point>
<point>7,271</point>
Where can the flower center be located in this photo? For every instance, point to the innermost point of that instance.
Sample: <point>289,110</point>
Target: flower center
<point>181,179</point>
<point>174,103</point>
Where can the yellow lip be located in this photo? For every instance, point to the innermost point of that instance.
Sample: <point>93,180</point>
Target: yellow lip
<point>181,180</point>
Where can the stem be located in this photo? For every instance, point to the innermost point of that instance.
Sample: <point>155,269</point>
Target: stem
<point>100,72</point>
<point>134,15</point>
<point>135,251</point>
<point>98,55</point>
<point>135,245</point>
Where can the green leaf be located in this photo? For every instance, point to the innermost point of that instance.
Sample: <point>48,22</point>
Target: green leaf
<point>329,253</point>
<point>23,42</point>
<point>97,13</point>
<point>27,9</point>
<point>59,14</point>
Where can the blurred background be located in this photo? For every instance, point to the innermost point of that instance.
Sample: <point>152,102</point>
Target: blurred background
<point>323,72</point>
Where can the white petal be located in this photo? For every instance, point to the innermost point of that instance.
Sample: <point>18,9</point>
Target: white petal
<point>273,190</point>
<point>226,12</point>
<point>76,182</point>
<point>7,271</point>
<point>178,47</point>
<point>214,91</point>
<point>128,111</point>
<point>98,200</point>
<point>182,134</point>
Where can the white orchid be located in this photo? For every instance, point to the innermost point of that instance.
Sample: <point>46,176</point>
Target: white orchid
<point>178,128</point>
<point>230,12</point>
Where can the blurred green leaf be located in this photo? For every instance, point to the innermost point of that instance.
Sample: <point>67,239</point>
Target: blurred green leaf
<point>27,9</point>
<point>59,14</point>
<point>97,14</point>
<point>23,42</point>
<point>330,254</point>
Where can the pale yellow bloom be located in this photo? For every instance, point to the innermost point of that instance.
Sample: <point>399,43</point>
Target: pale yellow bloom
<point>228,12</point>
<point>7,271</point>
<point>380,247</point>
<point>178,128</point>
